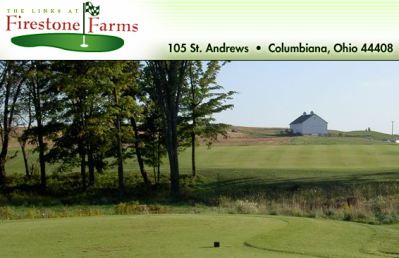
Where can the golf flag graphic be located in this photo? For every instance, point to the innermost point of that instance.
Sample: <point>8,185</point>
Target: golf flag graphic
<point>93,10</point>
<point>88,7</point>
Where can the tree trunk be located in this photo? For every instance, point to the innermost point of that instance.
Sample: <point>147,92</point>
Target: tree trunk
<point>43,183</point>
<point>194,169</point>
<point>138,152</point>
<point>153,156</point>
<point>174,172</point>
<point>37,102</point>
<point>154,162</point>
<point>169,78</point>
<point>169,120</point>
<point>173,155</point>
<point>119,149</point>
<point>159,156</point>
<point>82,154</point>
<point>5,137</point>
<point>23,139</point>
<point>91,165</point>
<point>27,172</point>
<point>120,160</point>
<point>3,155</point>
<point>2,171</point>
<point>193,154</point>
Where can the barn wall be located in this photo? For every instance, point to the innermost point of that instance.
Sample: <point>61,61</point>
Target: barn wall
<point>314,126</point>
<point>297,128</point>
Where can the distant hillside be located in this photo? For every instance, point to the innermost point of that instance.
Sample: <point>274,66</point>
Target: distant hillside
<point>363,134</point>
<point>274,132</point>
<point>258,131</point>
<point>241,135</point>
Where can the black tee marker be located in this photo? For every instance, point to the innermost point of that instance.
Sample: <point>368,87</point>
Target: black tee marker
<point>216,244</point>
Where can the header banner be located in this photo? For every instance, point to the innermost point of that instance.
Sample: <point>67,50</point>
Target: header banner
<point>199,30</point>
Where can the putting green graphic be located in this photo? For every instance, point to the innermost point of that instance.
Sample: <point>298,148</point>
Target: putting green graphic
<point>73,41</point>
<point>70,41</point>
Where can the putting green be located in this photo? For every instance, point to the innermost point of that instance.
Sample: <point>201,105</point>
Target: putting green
<point>193,236</point>
<point>70,41</point>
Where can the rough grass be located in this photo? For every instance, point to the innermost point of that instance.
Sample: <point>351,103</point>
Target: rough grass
<point>341,182</point>
<point>193,236</point>
<point>353,196</point>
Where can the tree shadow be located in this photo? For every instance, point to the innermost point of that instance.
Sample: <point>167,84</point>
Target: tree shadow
<point>208,186</point>
<point>280,186</point>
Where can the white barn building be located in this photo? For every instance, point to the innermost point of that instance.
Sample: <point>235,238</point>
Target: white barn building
<point>310,124</point>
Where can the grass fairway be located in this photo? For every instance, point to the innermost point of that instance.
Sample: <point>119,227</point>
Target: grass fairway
<point>321,157</point>
<point>193,236</point>
<point>277,157</point>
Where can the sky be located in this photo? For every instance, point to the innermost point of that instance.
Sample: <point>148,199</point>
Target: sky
<point>348,95</point>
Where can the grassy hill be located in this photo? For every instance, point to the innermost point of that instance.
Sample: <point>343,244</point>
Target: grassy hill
<point>281,136</point>
<point>276,132</point>
<point>363,134</point>
<point>258,131</point>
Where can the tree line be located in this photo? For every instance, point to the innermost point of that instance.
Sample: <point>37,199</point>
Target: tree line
<point>96,111</point>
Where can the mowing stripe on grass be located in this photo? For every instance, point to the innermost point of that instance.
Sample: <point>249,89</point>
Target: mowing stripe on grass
<point>293,157</point>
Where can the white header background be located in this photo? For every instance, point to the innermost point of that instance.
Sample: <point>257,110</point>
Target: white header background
<point>235,22</point>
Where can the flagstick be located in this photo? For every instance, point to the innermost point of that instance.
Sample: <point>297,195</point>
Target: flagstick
<point>84,37</point>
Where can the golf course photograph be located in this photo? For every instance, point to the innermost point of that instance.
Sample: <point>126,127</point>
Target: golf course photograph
<point>197,158</point>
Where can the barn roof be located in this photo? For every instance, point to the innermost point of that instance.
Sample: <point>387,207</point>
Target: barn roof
<point>301,119</point>
<point>305,117</point>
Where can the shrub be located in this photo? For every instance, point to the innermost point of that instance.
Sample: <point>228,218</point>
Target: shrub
<point>7,213</point>
<point>131,208</point>
<point>386,219</point>
<point>246,207</point>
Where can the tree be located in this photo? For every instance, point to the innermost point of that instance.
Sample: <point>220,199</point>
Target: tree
<point>24,126</point>
<point>148,141</point>
<point>135,92</point>
<point>168,78</point>
<point>95,112</point>
<point>152,138</point>
<point>201,101</point>
<point>138,149</point>
<point>80,86</point>
<point>123,105</point>
<point>38,84</point>
<point>12,78</point>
